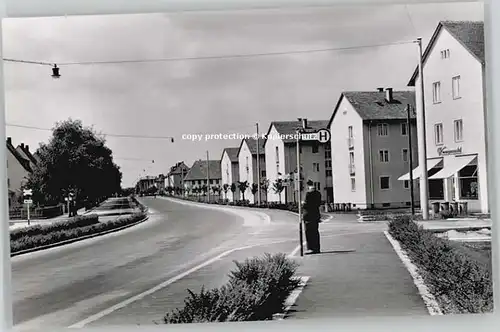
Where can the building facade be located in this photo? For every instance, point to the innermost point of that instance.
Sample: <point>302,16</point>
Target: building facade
<point>175,176</point>
<point>455,111</point>
<point>248,170</point>
<point>230,173</point>
<point>370,148</point>
<point>203,174</point>
<point>281,160</point>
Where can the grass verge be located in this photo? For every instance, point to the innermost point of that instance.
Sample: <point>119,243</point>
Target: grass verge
<point>459,276</point>
<point>257,289</point>
<point>81,226</point>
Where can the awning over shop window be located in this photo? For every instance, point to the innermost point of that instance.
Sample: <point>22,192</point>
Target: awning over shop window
<point>452,166</point>
<point>417,171</point>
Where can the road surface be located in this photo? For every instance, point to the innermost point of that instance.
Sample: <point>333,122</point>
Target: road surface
<point>107,280</point>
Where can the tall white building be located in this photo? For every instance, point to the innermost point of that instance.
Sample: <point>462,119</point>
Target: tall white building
<point>248,170</point>
<point>455,111</point>
<point>370,148</point>
<point>230,173</point>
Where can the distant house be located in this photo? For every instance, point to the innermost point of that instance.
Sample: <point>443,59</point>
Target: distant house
<point>176,174</point>
<point>146,183</point>
<point>281,160</point>
<point>455,108</point>
<point>370,149</point>
<point>230,172</point>
<point>18,170</point>
<point>24,151</point>
<point>197,175</point>
<point>248,170</point>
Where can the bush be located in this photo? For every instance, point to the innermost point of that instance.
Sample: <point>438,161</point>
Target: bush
<point>28,241</point>
<point>256,290</point>
<point>74,222</point>
<point>457,276</point>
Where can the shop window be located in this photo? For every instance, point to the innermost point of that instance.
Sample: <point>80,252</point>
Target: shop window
<point>468,183</point>
<point>436,189</point>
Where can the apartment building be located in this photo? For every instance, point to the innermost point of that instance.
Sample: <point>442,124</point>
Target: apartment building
<point>203,173</point>
<point>248,170</point>
<point>455,114</point>
<point>18,170</point>
<point>370,148</point>
<point>176,174</point>
<point>230,173</point>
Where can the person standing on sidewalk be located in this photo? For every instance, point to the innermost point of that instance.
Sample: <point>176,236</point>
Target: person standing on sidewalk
<point>312,218</point>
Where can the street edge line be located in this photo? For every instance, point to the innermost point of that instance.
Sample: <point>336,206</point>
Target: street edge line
<point>65,242</point>
<point>217,207</point>
<point>152,290</point>
<point>428,298</point>
<point>292,298</point>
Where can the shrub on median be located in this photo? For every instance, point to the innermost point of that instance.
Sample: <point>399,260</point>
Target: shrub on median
<point>58,235</point>
<point>461,282</point>
<point>74,222</point>
<point>256,290</point>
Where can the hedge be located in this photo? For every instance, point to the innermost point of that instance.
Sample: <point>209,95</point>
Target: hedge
<point>58,235</point>
<point>74,222</point>
<point>256,290</point>
<point>459,278</point>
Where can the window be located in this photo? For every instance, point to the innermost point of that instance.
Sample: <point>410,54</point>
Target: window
<point>436,92</point>
<point>438,133</point>
<point>467,178</point>
<point>315,167</point>
<point>263,174</point>
<point>211,181</point>
<point>329,172</point>
<point>455,84</point>
<point>328,163</point>
<point>445,54</point>
<point>317,186</point>
<point>277,155</point>
<point>405,155</point>
<point>353,184</point>
<point>328,154</point>
<point>315,148</point>
<point>277,170</point>
<point>459,130</point>
<point>8,183</point>
<point>406,184</point>
<point>384,156</point>
<point>350,132</point>
<point>384,182</point>
<point>383,129</point>
<point>404,129</point>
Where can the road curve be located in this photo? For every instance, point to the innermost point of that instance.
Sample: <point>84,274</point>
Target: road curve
<point>127,262</point>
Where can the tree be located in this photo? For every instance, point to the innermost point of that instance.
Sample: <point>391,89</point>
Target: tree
<point>225,188</point>
<point>75,158</point>
<point>278,188</point>
<point>233,189</point>
<point>243,185</point>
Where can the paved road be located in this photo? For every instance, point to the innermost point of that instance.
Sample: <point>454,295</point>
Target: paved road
<point>63,286</point>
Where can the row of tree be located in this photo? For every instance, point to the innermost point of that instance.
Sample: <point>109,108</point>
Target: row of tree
<point>76,159</point>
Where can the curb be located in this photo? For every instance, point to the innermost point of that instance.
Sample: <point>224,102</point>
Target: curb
<point>428,298</point>
<point>85,237</point>
<point>292,298</point>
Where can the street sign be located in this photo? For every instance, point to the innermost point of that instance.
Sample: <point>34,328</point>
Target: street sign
<point>28,201</point>
<point>322,136</point>
<point>27,192</point>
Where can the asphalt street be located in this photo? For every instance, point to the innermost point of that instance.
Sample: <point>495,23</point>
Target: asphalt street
<point>63,286</point>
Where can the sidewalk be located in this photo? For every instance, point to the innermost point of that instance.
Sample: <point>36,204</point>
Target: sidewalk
<point>370,281</point>
<point>15,224</point>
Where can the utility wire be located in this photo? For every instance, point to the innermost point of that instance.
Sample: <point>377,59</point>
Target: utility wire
<point>214,57</point>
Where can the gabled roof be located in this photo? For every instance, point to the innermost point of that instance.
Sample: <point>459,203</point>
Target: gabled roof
<point>232,153</point>
<point>199,170</point>
<point>290,127</point>
<point>252,146</point>
<point>468,33</point>
<point>25,152</point>
<point>25,163</point>
<point>372,105</point>
<point>178,169</point>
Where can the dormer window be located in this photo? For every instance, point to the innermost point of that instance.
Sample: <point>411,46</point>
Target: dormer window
<point>445,54</point>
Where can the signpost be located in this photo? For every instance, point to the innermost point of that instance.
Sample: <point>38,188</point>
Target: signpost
<point>27,194</point>
<point>322,136</point>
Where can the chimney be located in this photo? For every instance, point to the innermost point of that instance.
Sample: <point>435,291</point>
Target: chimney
<point>9,140</point>
<point>388,95</point>
<point>27,147</point>
<point>380,89</point>
<point>303,122</point>
<point>22,146</point>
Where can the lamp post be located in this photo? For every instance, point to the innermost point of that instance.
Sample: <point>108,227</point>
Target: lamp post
<point>258,164</point>
<point>299,199</point>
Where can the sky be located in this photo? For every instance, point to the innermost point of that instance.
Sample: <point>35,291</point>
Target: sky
<point>207,96</point>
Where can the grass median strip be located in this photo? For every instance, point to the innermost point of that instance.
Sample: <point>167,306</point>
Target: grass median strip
<point>80,226</point>
<point>257,289</point>
<point>459,277</point>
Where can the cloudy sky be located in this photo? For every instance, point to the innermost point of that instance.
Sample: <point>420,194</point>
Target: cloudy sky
<point>172,98</point>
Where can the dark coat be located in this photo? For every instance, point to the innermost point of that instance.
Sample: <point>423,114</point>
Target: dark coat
<point>312,203</point>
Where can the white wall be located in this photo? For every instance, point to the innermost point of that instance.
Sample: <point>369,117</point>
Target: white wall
<point>246,170</point>
<point>229,176</point>
<point>469,108</point>
<point>271,162</point>
<point>346,116</point>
